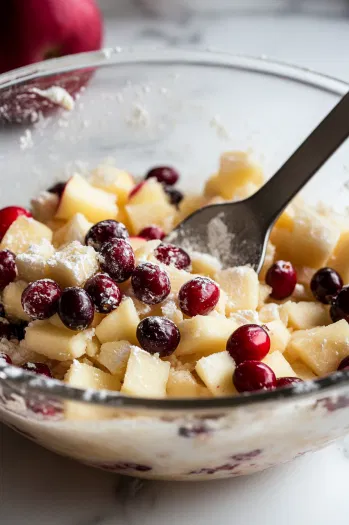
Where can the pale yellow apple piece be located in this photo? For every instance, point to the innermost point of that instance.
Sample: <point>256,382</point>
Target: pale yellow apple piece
<point>146,375</point>
<point>151,192</point>
<point>241,286</point>
<point>205,335</point>
<point>80,197</point>
<point>119,325</point>
<point>269,312</point>
<point>279,336</point>
<point>137,242</point>
<point>44,206</point>
<point>73,264</point>
<point>74,230</point>
<point>339,258</point>
<point>205,264</point>
<point>159,214</point>
<point>81,375</point>
<point>302,293</point>
<point>310,242</point>
<point>268,260</point>
<point>23,233</point>
<point>146,251</point>
<point>263,294</point>
<point>286,220</point>
<point>322,348</point>
<point>279,365</point>
<point>93,347</point>
<point>303,372</point>
<point>305,315</point>
<point>56,343</point>
<point>177,277</point>
<point>245,317</point>
<point>97,319</point>
<point>114,356</point>
<point>11,299</point>
<point>216,371</point>
<point>32,264</point>
<point>182,383</point>
<point>113,180</point>
<point>169,308</point>
<point>188,205</point>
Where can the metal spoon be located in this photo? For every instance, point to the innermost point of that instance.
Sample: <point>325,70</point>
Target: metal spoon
<point>237,233</point>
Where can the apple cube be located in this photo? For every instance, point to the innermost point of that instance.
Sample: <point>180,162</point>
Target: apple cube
<point>44,206</point>
<point>73,264</point>
<point>205,335</point>
<point>269,312</point>
<point>302,371</point>
<point>169,309</point>
<point>80,197</point>
<point>93,347</point>
<point>120,325</point>
<point>177,277</point>
<point>114,356</point>
<point>245,317</point>
<point>310,242</point>
<point>32,264</point>
<point>216,371</point>
<point>279,365</point>
<point>23,233</point>
<point>339,258</point>
<point>159,214</point>
<point>182,383</point>
<point>279,336</point>
<point>97,319</point>
<point>242,287</point>
<point>146,251</point>
<point>321,348</point>
<point>75,230</point>
<point>56,343</point>
<point>137,242</point>
<point>146,375</point>
<point>188,205</point>
<point>151,192</point>
<point>286,219</point>
<point>205,264</point>
<point>113,180</point>
<point>305,315</point>
<point>11,299</point>
<point>81,375</point>
<point>263,294</point>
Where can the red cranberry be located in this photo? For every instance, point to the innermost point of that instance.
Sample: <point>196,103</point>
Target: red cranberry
<point>58,188</point>
<point>249,342</point>
<point>8,270</point>
<point>287,381</point>
<point>5,359</point>
<point>175,196</point>
<point>158,335</point>
<point>170,254</point>
<point>40,298</point>
<point>118,260</point>
<point>5,329</point>
<point>340,307</point>
<point>136,189</point>
<point>164,174</point>
<point>282,277</point>
<point>344,364</point>
<point>150,283</point>
<point>326,284</point>
<point>250,376</point>
<point>8,216</point>
<point>198,296</point>
<point>38,368</point>
<point>105,231</point>
<point>75,308</point>
<point>152,232</point>
<point>104,292</point>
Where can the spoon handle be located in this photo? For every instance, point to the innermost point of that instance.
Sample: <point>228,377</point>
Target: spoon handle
<point>271,200</point>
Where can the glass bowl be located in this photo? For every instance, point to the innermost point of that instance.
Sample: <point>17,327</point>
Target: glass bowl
<point>144,107</point>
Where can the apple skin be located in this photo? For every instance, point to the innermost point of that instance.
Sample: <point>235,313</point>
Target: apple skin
<point>34,30</point>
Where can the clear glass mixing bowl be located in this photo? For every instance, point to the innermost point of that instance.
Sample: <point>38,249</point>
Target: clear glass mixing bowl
<point>184,108</point>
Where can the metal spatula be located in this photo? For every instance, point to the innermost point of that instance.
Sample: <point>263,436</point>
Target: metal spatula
<point>237,233</point>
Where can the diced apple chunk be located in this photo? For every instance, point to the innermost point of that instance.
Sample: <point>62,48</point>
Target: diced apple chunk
<point>205,335</point>
<point>146,251</point>
<point>56,343</point>
<point>279,336</point>
<point>241,286</point>
<point>169,309</point>
<point>73,264</point>
<point>151,192</point>
<point>177,277</point>
<point>305,315</point>
<point>32,264</point>
<point>81,375</point>
<point>269,312</point>
<point>339,258</point>
<point>75,230</point>
<point>93,347</point>
<point>137,242</point>
<point>188,205</point>
<point>146,375</point>
<point>44,206</point>
<point>322,348</point>
<point>263,294</point>
<point>205,264</point>
<point>182,383</point>
<point>279,365</point>
<point>113,180</point>
<point>23,233</point>
<point>120,325</point>
<point>114,356</point>
<point>161,214</point>
<point>80,197</point>
<point>11,299</point>
<point>216,371</point>
<point>302,371</point>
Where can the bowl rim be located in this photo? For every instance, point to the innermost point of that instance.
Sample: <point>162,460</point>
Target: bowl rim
<point>39,385</point>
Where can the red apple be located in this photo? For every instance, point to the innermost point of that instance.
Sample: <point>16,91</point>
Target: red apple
<point>34,30</point>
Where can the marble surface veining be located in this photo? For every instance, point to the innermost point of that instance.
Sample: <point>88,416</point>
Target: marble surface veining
<point>38,487</point>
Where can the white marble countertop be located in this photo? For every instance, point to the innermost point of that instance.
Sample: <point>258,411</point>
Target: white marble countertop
<point>38,487</point>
